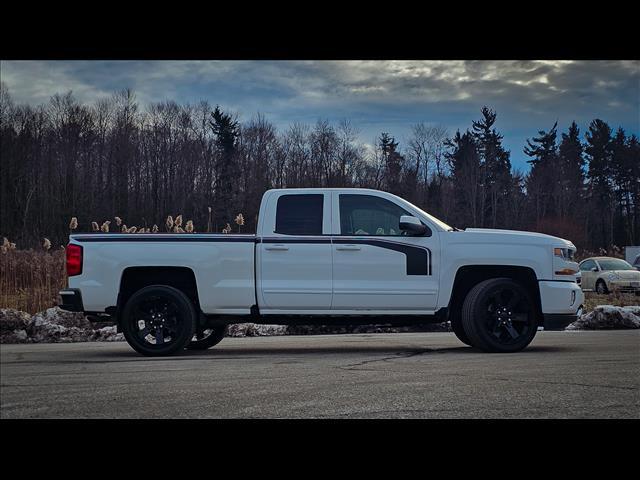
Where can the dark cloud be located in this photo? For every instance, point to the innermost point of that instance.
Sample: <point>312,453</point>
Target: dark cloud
<point>375,95</point>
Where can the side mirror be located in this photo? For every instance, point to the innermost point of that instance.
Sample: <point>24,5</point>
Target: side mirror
<point>594,269</point>
<point>412,225</point>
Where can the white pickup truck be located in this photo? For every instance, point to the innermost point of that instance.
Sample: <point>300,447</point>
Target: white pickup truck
<point>326,256</point>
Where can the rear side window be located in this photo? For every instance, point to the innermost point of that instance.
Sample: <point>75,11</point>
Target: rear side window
<point>299,215</point>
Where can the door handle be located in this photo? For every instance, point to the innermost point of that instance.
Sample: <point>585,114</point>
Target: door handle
<point>348,247</point>
<point>277,247</point>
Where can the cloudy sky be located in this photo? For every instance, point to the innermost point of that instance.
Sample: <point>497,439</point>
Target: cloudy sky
<point>376,96</point>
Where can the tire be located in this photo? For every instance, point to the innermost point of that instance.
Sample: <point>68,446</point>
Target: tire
<point>208,338</point>
<point>499,315</point>
<point>158,320</point>
<point>458,329</point>
<point>601,288</point>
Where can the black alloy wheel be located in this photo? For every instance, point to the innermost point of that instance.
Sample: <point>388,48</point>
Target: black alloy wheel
<point>158,320</point>
<point>499,315</point>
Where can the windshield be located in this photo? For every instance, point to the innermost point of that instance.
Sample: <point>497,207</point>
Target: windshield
<point>440,223</point>
<point>614,264</point>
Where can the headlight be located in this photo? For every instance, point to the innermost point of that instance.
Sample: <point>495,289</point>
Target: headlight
<point>564,252</point>
<point>566,256</point>
<point>613,276</point>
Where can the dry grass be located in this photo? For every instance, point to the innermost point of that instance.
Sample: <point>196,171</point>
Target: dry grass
<point>592,300</point>
<point>30,279</point>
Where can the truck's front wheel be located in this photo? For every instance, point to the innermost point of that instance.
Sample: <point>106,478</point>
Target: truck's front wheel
<point>498,315</point>
<point>158,320</point>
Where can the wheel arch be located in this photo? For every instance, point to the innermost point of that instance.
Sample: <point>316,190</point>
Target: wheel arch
<point>136,278</point>
<point>470,275</point>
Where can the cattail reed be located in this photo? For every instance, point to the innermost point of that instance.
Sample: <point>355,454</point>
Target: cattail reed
<point>239,221</point>
<point>95,227</point>
<point>30,279</point>
<point>189,226</point>
<point>178,222</point>
<point>105,226</point>
<point>169,223</point>
<point>73,224</point>
<point>118,221</point>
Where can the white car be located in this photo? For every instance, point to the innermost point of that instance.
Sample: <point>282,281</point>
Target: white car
<point>326,256</point>
<point>606,274</point>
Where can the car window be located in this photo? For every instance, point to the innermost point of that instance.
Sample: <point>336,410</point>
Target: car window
<point>369,215</point>
<point>299,214</point>
<point>637,262</point>
<point>614,264</point>
<point>587,265</point>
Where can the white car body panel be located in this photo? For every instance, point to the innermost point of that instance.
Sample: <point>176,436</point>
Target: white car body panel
<point>324,274</point>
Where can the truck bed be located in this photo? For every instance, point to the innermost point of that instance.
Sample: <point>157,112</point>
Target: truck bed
<point>223,265</point>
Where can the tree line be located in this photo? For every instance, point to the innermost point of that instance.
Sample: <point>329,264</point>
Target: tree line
<point>113,158</point>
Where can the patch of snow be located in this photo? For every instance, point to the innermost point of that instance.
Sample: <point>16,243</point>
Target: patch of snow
<point>608,317</point>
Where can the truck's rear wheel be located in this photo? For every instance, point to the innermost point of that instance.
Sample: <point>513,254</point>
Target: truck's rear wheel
<point>499,315</point>
<point>207,338</point>
<point>158,320</point>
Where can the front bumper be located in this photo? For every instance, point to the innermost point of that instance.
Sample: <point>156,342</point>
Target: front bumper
<point>71,300</point>
<point>624,286</point>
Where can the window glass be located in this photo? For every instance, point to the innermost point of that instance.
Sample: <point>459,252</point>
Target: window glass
<point>614,264</point>
<point>587,266</point>
<point>299,215</point>
<point>369,215</point>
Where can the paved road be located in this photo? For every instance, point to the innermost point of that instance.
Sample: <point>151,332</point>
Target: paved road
<point>425,375</point>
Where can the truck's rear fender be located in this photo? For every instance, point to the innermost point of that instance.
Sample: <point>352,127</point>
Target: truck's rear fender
<point>135,278</point>
<point>469,276</point>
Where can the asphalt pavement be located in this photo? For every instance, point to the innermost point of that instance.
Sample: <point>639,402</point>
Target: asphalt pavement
<point>406,375</point>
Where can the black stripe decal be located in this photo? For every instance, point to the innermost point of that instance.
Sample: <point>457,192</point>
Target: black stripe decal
<point>418,258</point>
<point>294,240</point>
<point>157,238</point>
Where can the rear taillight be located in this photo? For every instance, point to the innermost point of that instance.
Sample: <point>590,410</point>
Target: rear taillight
<point>74,260</point>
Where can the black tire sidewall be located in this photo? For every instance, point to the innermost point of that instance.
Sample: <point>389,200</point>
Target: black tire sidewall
<point>188,320</point>
<point>212,340</point>
<point>458,329</point>
<point>473,317</point>
<point>604,287</point>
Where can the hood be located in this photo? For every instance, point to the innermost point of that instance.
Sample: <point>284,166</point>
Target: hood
<point>518,236</point>
<point>624,274</point>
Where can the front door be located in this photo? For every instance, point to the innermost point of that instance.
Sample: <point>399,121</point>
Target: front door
<point>588,276</point>
<point>375,265</point>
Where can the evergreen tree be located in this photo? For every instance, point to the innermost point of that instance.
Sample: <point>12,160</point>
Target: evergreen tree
<point>393,163</point>
<point>496,179</point>
<point>571,172</point>
<point>226,132</point>
<point>598,149</point>
<point>625,174</point>
<point>541,184</point>
<point>464,162</point>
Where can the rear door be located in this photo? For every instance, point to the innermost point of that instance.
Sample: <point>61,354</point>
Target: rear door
<point>375,265</point>
<point>294,253</point>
